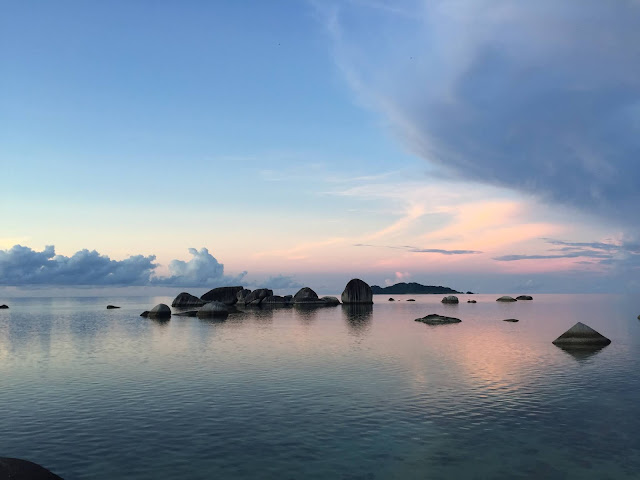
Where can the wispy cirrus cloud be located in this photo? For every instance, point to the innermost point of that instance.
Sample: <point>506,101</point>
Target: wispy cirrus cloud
<point>409,248</point>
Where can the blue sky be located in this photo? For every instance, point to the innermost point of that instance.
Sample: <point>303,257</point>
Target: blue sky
<point>486,145</point>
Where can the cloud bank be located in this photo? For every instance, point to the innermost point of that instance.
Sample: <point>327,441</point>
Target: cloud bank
<point>541,97</point>
<point>21,266</point>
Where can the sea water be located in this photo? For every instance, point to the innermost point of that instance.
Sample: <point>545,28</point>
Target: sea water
<point>339,393</point>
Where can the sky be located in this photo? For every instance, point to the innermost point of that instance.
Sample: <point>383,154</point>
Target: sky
<point>491,146</point>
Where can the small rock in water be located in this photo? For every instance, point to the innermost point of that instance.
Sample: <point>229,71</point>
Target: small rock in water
<point>435,319</point>
<point>581,336</point>
<point>411,300</point>
<point>506,298</point>
<point>524,297</point>
<point>511,320</point>
<point>111,307</point>
<point>392,299</point>
<point>450,299</point>
<point>4,307</point>
<point>471,301</point>
<point>160,311</point>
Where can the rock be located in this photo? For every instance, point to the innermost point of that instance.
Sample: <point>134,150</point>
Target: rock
<point>638,315</point>
<point>435,319</point>
<point>524,297</point>
<point>277,300</point>
<point>392,299</point>
<point>330,301</point>
<point>145,313</point>
<point>581,336</point>
<point>188,313</point>
<point>357,291</point>
<point>160,311</point>
<point>470,293</point>
<point>450,299</point>
<point>4,307</point>
<point>111,307</point>
<point>513,320</point>
<point>256,297</point>
<point>411,300</point>
<point>242,295</point>
<point>213,309</point>
<point>471,301</point>
<point>226,295</point>
<point>16,469</point>
<point>506,298</point>
<point>185,299</point>
<point>305,295</point>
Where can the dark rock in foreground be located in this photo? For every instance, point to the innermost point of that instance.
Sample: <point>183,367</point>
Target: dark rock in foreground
<point>213,309</point>
<point>411,288</point>
<point>524,297</point>
<point>16,469</point>
<point>226,295</point>
<point>513,320</point>
<point>111,307</point>
<point>185,299</point>
<point>4,307</point>
<point>160,311</point>
<point>188,313</point>
<point>472,301</point>
<point>506,298</point>
<point>435,319</point>
<point>581,336</point>
<point>450,299</point>
<point>357,291</point>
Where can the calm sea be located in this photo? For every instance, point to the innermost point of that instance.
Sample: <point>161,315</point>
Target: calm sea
<point>331,393</point>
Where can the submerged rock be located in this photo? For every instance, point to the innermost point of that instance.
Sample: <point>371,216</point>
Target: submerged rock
<point>213,309</point>
<point>506,298</point>
<point>4,307</point>
<point>581,336</point>
<point>357,291</point>
<point>513,320</point>
<point>188,313</point>
<point>435,319</point>
<point>226,295</point>
<point>524,297</point>
<point>472,301</point>
<point>160,311</point>
<point>111,307</point>
<point>450,299</point>
<point>185,299</point>
<point>16,469</point>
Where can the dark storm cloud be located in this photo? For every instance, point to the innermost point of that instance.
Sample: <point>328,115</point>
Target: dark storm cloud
<point>542,97</point>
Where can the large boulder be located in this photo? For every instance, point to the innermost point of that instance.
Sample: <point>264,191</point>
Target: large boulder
<point>16,469</point>
<point>305,295</point>
<point>160,311</point>
<point>581,336</point>
<point>226,295</point>
<point>257,296</point>
<point>524,297</point>
<point>357,291</point>
<point>213,309</point>
<point>185,299</point>
<point>450,299</point>
<point>506,298</point>
<point>435,319</point>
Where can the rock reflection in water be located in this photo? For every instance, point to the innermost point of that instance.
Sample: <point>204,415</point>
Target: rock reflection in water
<point>358,317</point>
<point>581,354</point>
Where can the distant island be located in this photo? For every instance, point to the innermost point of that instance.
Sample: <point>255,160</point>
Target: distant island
<point>413,287</point>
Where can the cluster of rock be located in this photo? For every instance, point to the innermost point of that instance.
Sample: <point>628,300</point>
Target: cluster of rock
<point>507,298</point>
<point>218,301</point>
